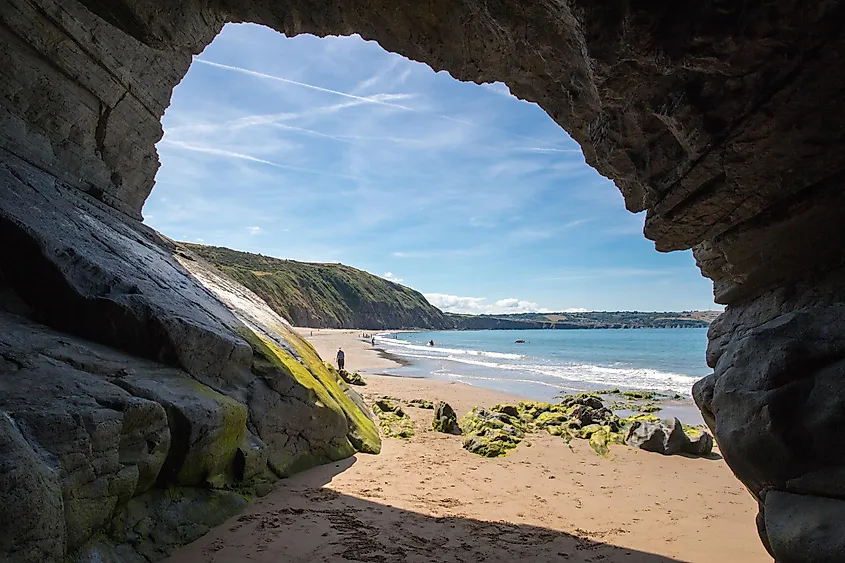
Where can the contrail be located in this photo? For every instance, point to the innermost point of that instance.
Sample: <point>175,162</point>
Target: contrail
<point>303,84</point>
<point>367,100</point>
<point>242,156</point>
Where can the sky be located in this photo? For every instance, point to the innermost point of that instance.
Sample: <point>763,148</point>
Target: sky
<point>334,150</point>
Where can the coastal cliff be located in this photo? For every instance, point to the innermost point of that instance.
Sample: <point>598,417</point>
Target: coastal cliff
<point>722,120</point>
<point>326,295</point>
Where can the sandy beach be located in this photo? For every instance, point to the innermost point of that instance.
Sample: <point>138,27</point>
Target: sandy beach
<point>427,499</point>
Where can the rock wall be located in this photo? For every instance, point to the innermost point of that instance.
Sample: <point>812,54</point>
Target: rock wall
<point>724,120</point>
<point>195,397</point>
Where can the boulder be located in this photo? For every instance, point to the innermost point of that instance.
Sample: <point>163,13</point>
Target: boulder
<point>700,444</point>
<point>421,404</point>
<point>352,378</point>
<point>445,419</point>
<point>393,421</point>
<point>804,528</point>
<point>665,437</point>
<point>489,433</point>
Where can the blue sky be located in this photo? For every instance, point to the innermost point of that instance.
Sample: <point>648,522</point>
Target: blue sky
<point>333,150</point>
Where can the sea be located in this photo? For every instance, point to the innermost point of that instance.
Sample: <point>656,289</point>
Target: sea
<point>552,362</point>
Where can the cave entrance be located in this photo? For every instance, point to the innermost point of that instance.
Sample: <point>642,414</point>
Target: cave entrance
<point>335,150</point>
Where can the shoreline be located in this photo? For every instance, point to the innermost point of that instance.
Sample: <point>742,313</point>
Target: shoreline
<point>427,499</point>
<point>365,358</point>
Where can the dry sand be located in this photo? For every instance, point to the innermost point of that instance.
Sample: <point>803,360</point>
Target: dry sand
<point>427,499</point>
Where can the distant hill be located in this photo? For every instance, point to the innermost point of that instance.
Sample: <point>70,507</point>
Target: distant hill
<point>326,295</point>
<point>596,319</point>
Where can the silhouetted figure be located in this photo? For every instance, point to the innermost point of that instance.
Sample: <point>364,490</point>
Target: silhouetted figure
<point>431,342</point>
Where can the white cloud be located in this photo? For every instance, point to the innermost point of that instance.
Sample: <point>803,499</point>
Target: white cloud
<point>455,304</point>
<point>479,305</point>
<point>254,230</point>
<point>390,277</point>
<point>574,310</point>
<point>515,305</point>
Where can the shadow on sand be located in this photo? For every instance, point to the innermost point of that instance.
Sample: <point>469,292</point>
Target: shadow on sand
<point>302,522</point>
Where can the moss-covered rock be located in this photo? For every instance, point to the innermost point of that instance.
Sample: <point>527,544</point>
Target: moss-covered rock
<point>393,421</point>
<point>643,395</point>
<point>445,419</point>
<point>309,371</point>
<point>640,417</point>
<point>491,433</point>
<point>603,437</point>
<point>352,378</point>
<point>421,404</point>
<point>646,408</point>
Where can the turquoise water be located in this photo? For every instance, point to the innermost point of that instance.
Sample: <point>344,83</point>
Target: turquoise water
<point>551,361</point>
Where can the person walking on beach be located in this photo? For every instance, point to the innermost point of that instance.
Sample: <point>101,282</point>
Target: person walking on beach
<point>373,341</point>
<point>341,358</point>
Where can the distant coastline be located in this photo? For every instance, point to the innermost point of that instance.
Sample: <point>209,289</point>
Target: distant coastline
<point>585,320</point>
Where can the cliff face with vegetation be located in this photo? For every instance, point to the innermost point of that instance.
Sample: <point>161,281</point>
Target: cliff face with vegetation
<point>594,319</point>
<point>326,295</point>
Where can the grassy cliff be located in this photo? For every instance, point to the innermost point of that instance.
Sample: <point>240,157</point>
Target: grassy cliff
<point>325,295</point>
<point>594,319</point>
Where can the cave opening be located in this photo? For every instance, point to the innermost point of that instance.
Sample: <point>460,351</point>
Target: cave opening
<point>335,150</point>
<point>724,123</point>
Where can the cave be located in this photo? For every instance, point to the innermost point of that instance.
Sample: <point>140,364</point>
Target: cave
<point>723,120</point>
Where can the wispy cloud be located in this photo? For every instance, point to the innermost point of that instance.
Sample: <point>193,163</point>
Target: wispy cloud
<point>614,273</point>
<point>546,149</point>
<point>254,230</point>
<point>390,277</point>
<point>232,154</point>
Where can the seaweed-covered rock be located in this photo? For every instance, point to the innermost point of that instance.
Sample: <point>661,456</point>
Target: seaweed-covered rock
<point>445,419</point>
<point>421,404</point>
<point>490,433</point>
<point>701,444</point>
<point>393,421</point>
<point>646,407</point>
<point>352,378</point>
<point>666,436</point>
<point>602,437</point>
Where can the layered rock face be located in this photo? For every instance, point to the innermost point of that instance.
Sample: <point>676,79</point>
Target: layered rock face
<point>723,120</point>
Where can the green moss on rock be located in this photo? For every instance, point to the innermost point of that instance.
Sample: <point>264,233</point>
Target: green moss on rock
<point>492,433</point>
<point>421,404</point>
<point>393,421</point>
<point>312,373</point>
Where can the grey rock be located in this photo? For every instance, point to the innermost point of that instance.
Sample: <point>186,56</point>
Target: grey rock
<point>445,419</point>
<point>152,525</point>
<point>665,437</point>
<point>206,427</point>
<point>32,526</point>
<point>805,529</point>
<point>250,458</point>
